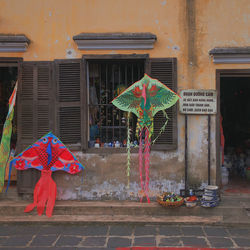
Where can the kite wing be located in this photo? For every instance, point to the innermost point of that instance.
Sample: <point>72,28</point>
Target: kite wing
<point>48,153</point>
<point>130,99</point>
<point>160,96</point>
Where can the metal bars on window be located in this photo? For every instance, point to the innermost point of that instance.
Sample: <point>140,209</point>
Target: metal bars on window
<point>106,80</point>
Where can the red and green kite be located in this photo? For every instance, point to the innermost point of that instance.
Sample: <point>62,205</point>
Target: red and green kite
<point>145,98</point>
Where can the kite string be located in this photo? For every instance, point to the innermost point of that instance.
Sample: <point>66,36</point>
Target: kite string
<point>162,128</point>
<point>128,152</point>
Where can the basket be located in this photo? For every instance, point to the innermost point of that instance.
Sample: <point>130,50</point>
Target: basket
<point>170,203</point>
<point>190,203</point>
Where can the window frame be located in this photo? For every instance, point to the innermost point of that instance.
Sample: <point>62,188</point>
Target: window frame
<point>147,67</point>
<point>86,59</point>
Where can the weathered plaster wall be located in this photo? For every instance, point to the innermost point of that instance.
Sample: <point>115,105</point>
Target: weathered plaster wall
<point>186,29</point>
<point>217,24</point>
<point>51,24</point>
<point>105,177</point>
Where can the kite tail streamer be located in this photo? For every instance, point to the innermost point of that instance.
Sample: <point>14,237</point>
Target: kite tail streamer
<point>147,162</point>
<point>141,163</point>
<point>51,198</point>
<point>44,192</point>
<point>128,153</point>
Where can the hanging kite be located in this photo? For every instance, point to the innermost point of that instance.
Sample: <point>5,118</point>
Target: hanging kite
<point>145,98</point>
<point>6,137</point>
<point>47,155</point>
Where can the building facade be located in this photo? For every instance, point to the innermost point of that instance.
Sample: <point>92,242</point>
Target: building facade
<point>73,57</point>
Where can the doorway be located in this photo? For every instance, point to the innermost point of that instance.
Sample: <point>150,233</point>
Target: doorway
<point>235,121</point>
<point>8,78</point>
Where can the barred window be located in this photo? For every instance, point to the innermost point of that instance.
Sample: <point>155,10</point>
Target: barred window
<point>106,80</point>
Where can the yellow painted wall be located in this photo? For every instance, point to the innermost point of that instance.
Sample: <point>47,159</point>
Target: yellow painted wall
<point>186,29</point>
<point>51,24</point>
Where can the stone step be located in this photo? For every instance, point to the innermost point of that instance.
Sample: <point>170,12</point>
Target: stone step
<point>231,210</point>
<point>11,194</point>
<point>127,208</point>
<point>83,219</point>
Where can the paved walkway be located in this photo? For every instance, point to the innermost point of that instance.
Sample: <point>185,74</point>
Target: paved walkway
<point>100,236</point>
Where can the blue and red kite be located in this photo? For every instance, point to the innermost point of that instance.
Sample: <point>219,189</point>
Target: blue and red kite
<point>47,154</point>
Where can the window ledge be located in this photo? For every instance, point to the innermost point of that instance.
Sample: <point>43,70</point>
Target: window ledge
<point>110,150</point>
<point>162,148</point>
<point>231,55</point>
<point>111,41</point>
<point>13,43</point>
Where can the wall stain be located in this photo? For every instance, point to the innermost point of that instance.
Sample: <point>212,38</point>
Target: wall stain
<point>191,39</point>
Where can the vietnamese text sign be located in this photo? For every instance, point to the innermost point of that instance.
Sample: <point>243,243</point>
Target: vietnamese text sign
<point>194,101</point>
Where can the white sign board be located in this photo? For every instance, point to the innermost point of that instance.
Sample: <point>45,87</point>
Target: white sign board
<point>194,101</point>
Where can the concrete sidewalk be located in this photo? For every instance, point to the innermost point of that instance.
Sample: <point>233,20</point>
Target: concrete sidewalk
<point>232,210</point>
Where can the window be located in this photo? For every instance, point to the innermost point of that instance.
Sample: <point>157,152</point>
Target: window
<point>69,96</point>
<point>106,80</point>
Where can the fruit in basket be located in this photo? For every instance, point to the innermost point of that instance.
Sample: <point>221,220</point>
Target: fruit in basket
<point>170,197</point>
<point>191,198</point>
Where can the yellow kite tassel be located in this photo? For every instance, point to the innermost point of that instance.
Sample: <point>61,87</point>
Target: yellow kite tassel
<point>128,152</point>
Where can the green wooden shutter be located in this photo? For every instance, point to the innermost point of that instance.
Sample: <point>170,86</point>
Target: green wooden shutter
<point>69,102</point>
<point>34,113</point>
<point>165,70</point>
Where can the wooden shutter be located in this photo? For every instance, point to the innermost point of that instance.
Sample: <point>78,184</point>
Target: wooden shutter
<point>34,113</point>
<point>69,102</point>
<point>165,70</point>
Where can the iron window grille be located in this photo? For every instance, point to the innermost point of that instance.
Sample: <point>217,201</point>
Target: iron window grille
<point>106,80</point>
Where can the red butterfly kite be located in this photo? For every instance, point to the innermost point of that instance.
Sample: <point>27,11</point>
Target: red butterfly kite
<point>47,154</point>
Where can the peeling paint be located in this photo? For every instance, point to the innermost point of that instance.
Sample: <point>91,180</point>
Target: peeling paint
<point>176,47</point>
<point>165,155</point>
<point>163,3</point>
<point>119,191</point>
<point>170,40</point>
<point>197,135</point>
<point>104,180</point>
<point>70,53</point>
<point>246,18</point>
